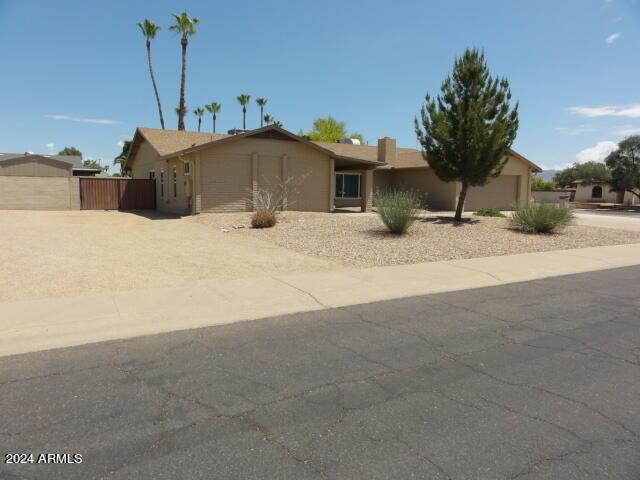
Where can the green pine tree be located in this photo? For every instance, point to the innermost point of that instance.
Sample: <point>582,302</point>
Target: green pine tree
<point>467,130</point>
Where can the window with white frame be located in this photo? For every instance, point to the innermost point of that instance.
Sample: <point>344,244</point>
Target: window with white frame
<point>348,185</point>
<point>187,169</point>
<point>162,183</point>
<point>152,175</point>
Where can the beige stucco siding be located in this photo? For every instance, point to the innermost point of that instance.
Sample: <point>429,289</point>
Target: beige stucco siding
<point>227,174</point>
<point>39,193</point>
<point>435,193</point>
<point>35,167</point>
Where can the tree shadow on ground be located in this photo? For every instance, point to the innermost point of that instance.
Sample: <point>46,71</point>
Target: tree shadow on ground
<point>443,220</point>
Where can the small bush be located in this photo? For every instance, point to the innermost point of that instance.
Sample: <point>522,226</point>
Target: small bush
<point>541,217</point>
<point>397,208</point>
<point>488,212</point>
<point>263,219</point>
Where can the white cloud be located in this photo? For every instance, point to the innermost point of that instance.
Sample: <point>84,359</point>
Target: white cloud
<point>630,111</point>
<point>613,38</point>
<point>50,146</point>
<point>626,130</point>
<point>99,121</point>
<point>120,143</point>
<point>597,153</point>
<point>578,130</point>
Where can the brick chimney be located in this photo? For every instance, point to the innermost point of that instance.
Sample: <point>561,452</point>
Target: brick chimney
<point>387,150</point>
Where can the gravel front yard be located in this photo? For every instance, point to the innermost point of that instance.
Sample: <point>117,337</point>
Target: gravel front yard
<point>361,239</point>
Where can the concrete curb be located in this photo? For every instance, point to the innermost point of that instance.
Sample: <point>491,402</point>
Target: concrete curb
<point>28,326</point>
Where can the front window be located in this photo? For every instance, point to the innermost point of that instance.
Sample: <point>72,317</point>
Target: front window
<point>162,183</point>
<point>187,168</point>
<point>348,185</point>
<point>152,175</point>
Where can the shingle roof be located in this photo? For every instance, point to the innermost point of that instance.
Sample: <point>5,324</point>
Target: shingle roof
<point>75,161</point>
<point>166,142</point>
<point>170,141</point>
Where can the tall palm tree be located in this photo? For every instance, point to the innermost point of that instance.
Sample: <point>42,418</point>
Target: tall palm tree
<point>262,102</point>
<point>186,27</point>
<point>149,30</point>
<point>213,108</point>
<point>199,112</point>
<point>268,119</point>
<point>244,101</point>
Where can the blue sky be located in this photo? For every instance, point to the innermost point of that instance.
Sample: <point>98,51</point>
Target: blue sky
<point>76,74</point>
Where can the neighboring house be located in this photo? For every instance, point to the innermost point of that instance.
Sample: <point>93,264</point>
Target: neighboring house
<point>599,192</point>
<point>37,165</point>
<point>205,172</point>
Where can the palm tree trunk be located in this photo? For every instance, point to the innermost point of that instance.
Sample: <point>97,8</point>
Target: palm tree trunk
<point>460,206</point>
<point>244,118</point>
<point>214,123</point>
<point>153,81</point>
<point>182,82</point>
<point>261,117</point>
<point>199,123</point>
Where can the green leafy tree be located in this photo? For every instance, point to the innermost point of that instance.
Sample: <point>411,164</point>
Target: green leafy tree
<point>199,112</point>
<point>262,102</point>
<point>122,157</point>
<point>268,119</point>
<point>70,151</point>
<point>588,172</point>
<point>467,130</point>
<point>213,108</point>
<point>244,101</point>
<point>149,31</point>
<point>538,183</point>
<point>328,130</point>
<point>185,27</point>
<point>91,163</point>
<point>624,165</point>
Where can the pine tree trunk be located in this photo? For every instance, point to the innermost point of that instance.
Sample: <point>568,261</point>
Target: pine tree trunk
<point>153,81</point>
<point>460,206</point>
<point>182,82</point>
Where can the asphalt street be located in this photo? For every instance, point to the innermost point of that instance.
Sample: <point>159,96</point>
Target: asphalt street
<point>535,380</point>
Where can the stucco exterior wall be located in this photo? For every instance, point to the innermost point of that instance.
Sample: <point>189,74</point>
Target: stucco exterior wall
<point>435,194</point>
<point>549,196</point>
<point>34,167</point>
<point>39,193</point>
<point>227,174</point>
<point>583,194</point>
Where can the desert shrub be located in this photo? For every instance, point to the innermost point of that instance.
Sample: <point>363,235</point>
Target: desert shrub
<point>263,219</point>
<point>541,217</point>
<point>488,212</point>
<point>397,208</point>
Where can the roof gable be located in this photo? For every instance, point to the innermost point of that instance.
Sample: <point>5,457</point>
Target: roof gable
<point>272,132</point>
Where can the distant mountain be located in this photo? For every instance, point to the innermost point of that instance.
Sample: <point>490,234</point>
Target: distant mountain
<point>547,174</point>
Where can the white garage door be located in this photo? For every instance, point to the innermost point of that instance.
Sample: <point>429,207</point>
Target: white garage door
<point>501,192</point>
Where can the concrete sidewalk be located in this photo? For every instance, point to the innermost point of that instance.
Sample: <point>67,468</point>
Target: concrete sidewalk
<point>28,326</point>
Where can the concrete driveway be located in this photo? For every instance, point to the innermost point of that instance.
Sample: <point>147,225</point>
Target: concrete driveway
<point>620,220</point>
<point>63,254</point>
<point>534,380</point>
